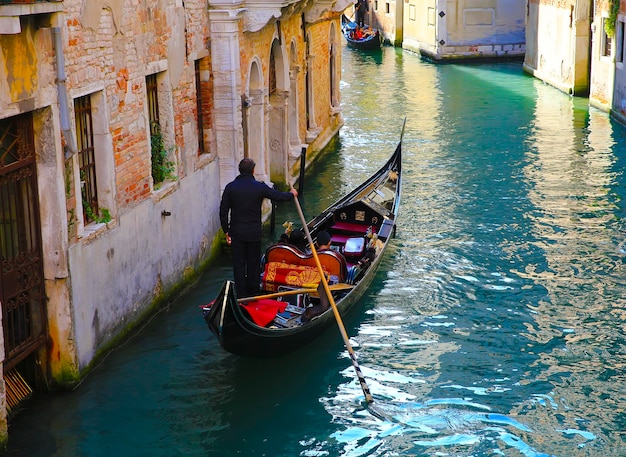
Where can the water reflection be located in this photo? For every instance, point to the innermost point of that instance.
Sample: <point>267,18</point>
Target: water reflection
<point>494,332</point>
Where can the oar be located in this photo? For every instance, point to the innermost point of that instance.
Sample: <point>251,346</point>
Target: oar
<point>293,292</point>
<point>342,329</point>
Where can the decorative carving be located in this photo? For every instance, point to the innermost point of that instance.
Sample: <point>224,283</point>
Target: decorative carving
<point>341,5</point>
<point>256,18</point>
<point>317,10</point>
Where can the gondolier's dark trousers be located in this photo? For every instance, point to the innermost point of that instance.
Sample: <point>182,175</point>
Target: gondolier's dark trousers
<point>360,17</point>
<point>246,266</point>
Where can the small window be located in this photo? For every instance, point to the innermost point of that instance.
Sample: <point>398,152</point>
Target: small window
<point>432,17</point>
<point>606,41</point>
<point>163,167</point>
<point>200,107</point>
<point>86,158</point>
<point>152,92</point>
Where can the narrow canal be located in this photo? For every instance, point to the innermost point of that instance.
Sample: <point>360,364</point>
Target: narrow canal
<point>495,325</point>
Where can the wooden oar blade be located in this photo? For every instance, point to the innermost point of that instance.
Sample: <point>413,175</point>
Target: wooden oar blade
<point>324,299</point>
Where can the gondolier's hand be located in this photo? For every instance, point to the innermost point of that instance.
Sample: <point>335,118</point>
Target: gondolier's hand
<point>293,190</point>
<point>228,240</point>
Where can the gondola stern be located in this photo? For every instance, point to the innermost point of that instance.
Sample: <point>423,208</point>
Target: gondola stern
<point>217,312</point>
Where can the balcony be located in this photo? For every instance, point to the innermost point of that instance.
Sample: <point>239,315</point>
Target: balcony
<point>11,10</point>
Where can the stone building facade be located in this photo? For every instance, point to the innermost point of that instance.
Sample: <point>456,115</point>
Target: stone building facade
<point>120,123</point>
<point>443,30</point>
<point>558,43</point>
<point>578,46</point>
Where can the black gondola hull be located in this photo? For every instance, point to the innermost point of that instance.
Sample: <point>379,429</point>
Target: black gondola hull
<point>369,42</point>
<point>377,198</point>
<point>237,334</point>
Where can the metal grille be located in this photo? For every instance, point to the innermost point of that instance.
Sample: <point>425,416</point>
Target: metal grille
<point>17,389</point>
<point>199,100</point>
<point>153,103</point>
<point>86,158</point>
<point>21,271</point>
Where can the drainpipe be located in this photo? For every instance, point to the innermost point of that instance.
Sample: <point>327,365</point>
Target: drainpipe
<point>70,143</point>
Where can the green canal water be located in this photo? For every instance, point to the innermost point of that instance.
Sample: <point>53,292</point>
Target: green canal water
<point>495,325</point>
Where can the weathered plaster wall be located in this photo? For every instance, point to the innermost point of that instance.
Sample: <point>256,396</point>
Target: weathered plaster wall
<point>461,29</point>
<point>550,45</point>
<point>387,17</point>
<point>27,74</point>
<point>486,22</point>
<point>607,71</point>
<point>116,275</point>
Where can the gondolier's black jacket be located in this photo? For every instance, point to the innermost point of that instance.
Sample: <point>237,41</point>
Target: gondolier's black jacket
<point>242,199</point>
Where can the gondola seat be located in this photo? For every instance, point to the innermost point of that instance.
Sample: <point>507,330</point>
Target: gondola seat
<point>288,266</point>
<point>349,227</point>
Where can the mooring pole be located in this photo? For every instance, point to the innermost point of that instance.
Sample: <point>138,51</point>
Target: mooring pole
<point>302,170</point>
<point>273,215</point>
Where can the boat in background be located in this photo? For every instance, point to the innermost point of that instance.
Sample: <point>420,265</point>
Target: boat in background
<point>363,38</point>
<point>293,308</point>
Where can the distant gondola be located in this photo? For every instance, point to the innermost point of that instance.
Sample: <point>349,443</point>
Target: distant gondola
<point>370,39</point>
<point>292,310</point>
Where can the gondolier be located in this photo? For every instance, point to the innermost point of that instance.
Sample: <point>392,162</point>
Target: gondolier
<point>362,7</point>
<point>240,218</point>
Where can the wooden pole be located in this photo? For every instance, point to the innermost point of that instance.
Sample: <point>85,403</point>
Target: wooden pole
<point>293,292</point>
<point>302,170</point>
<point>342,329</point>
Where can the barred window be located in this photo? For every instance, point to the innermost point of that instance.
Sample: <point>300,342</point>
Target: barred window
<point>86,158</point>
<point>153,103</point>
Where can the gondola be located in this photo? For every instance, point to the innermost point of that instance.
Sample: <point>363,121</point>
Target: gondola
<point>293,307</point>
<point>371,39</point>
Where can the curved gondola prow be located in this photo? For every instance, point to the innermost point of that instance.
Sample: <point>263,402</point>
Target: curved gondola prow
<point>399,150</point>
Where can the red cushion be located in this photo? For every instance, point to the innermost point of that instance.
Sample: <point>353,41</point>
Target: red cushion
<point>264,311</point>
